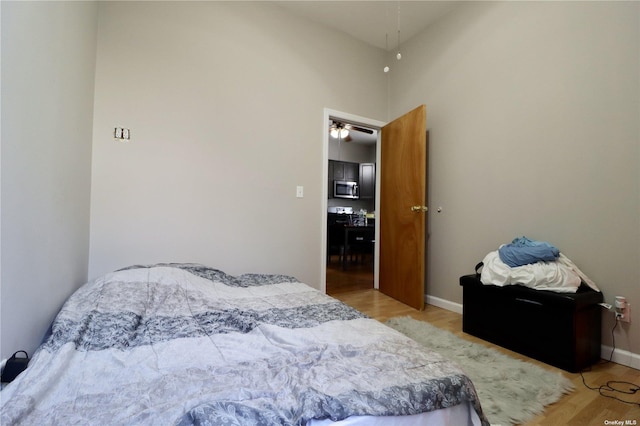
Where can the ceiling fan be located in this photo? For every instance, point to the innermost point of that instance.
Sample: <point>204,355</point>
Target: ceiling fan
<point>341,130</point>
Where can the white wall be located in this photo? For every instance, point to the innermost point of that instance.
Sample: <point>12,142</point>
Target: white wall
<point>533,111</point>
<point>225,104</point>
<point>48,61</point>
<point>356,153</point>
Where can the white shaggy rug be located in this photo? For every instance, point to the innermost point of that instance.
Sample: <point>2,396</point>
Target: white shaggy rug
<point>510,391</point>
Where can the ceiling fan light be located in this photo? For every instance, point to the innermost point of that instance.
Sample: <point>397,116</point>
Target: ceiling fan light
<point>338,131</point>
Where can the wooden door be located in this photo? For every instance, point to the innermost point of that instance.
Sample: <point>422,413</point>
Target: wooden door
<point>402,215</point>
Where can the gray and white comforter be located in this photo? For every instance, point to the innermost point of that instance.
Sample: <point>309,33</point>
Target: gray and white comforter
<point>187,344</point>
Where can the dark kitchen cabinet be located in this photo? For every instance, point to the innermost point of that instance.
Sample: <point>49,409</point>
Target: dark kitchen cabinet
<point>351,171</point>
<point>367,180</point>
<point>344,170</point>
<point>330,179</point>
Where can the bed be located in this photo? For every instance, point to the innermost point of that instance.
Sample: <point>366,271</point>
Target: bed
<point>189,344</point>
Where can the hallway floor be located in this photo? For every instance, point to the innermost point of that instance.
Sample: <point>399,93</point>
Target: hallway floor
<point>357,276</point>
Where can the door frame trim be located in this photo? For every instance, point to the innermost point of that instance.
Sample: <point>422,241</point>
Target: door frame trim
<point>329,113</point>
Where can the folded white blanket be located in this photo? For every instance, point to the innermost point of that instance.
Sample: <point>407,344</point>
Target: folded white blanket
<point>561,276</point>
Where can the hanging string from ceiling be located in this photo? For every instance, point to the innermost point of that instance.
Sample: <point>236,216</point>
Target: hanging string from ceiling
<point>386,36</point>
<point>386,69</point>
<point>398,55</point>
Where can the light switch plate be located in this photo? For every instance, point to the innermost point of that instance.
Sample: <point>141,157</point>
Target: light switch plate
<point>299,191</point>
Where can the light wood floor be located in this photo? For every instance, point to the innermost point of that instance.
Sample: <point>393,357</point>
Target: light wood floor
<point>581,407</point>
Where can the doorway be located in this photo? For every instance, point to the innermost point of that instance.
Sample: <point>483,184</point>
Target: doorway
<point>344,268</point>
<point>403,159</point>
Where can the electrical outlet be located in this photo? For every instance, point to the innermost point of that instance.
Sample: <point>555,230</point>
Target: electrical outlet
<point>624,315</point>
<point>623,311</point>
<point>121,134</point>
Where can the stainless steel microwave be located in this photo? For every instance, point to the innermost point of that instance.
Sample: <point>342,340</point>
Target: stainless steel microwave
<point>345,189</point>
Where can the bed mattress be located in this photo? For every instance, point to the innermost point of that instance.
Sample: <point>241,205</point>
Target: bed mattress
<point>186,344</point>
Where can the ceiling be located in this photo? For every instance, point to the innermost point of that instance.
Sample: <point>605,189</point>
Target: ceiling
<point>375,23</point>
<point>371,21</point>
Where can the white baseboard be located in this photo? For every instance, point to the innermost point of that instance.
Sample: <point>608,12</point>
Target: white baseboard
<point>620,356</point>
<point>443,303</point>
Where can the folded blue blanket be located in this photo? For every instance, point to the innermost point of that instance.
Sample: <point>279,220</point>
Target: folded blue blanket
<point>524,251</point>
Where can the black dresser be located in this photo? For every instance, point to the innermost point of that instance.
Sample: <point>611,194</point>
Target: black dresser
<point>560,329</point>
